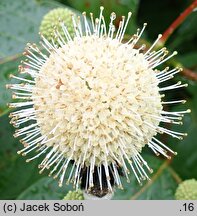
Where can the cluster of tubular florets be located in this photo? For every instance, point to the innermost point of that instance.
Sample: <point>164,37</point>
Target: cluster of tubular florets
<point>93,102</point>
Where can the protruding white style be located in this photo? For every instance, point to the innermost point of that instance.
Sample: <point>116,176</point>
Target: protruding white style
<point>94,101</point>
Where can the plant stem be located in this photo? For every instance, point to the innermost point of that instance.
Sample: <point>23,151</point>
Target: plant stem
<point>178,21</point>
<point>191,75</point>
<point>175,175</point>
<point>153,179</point>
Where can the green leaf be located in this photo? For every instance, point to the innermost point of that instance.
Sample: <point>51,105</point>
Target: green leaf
<point>7,67</point>
<point>15,173</point>
<point>185,36</point>
<point>188,59</point>
<point>185,162</point>
<point>20,21</point>
<point>45,189</point>
<point>161,187</point>
<point>9,145</point>
<point>17,176</point>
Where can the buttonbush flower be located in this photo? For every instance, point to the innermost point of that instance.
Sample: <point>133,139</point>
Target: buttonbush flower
<point>93,102</point>
<point>74,195</point>
<point>51,20</point>
<point>187,190</point>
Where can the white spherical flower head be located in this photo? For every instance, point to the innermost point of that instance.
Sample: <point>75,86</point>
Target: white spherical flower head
<point>93,103</point>
<point>97,96</point>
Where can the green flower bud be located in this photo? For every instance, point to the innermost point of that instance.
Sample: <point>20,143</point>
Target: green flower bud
<point>52,19</point>
<point>74,195</point>
<point>187,190</point>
